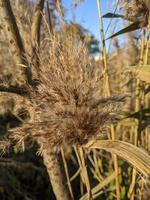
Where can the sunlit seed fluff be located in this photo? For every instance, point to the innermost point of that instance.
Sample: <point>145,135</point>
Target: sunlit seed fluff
<point>69,105</point>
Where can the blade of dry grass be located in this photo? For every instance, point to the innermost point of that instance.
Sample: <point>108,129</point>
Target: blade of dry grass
<point>66,172</point>
<point>132,154</point>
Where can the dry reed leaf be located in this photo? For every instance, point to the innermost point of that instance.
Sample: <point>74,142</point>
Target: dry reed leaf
<point>128,122</point>
<point>143,72</point>
<point>132,154</point>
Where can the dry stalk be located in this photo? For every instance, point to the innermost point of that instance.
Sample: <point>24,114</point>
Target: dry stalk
<point>15,40</point>
<point>35,32</point>
<point>108,93</point>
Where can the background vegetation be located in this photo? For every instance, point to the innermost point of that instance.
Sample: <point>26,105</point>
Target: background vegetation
<point>43,60</point>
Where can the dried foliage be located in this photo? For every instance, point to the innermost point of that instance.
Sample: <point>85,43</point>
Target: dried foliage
<point>132,154</point>
<point>137,10</point>
<point>68,105</point>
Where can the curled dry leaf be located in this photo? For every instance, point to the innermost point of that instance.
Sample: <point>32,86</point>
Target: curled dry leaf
<point>132,154</point>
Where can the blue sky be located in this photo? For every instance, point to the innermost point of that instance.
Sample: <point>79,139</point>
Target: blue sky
<point>86,14</point>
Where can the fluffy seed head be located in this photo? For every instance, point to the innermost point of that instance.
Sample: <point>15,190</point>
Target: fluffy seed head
<point>69,107</point>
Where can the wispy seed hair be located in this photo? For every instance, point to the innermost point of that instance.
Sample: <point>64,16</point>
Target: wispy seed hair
<point>69,107</point>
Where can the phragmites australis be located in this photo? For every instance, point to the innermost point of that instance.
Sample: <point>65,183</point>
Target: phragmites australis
<point>68,105</point>
<point>137,10</point>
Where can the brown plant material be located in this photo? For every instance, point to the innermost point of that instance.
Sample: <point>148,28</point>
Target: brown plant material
<point>35,31</point>
<point>129,152</point>
<point>137,10</point>
<point>68,104</point>
<point>9,24</point>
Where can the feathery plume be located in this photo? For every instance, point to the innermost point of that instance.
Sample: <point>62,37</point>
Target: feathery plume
<point>68,105</point>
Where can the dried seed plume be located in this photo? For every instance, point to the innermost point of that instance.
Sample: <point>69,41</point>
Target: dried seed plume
<point>69,107</point>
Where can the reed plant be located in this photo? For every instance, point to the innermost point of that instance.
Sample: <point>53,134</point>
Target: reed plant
<point>73,112</point>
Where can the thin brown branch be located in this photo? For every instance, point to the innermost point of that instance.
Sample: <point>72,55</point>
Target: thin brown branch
<point>14,89</point>
<point>6,162</point>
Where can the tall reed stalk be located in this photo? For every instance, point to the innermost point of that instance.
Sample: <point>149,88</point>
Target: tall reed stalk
<point>108,92</point>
